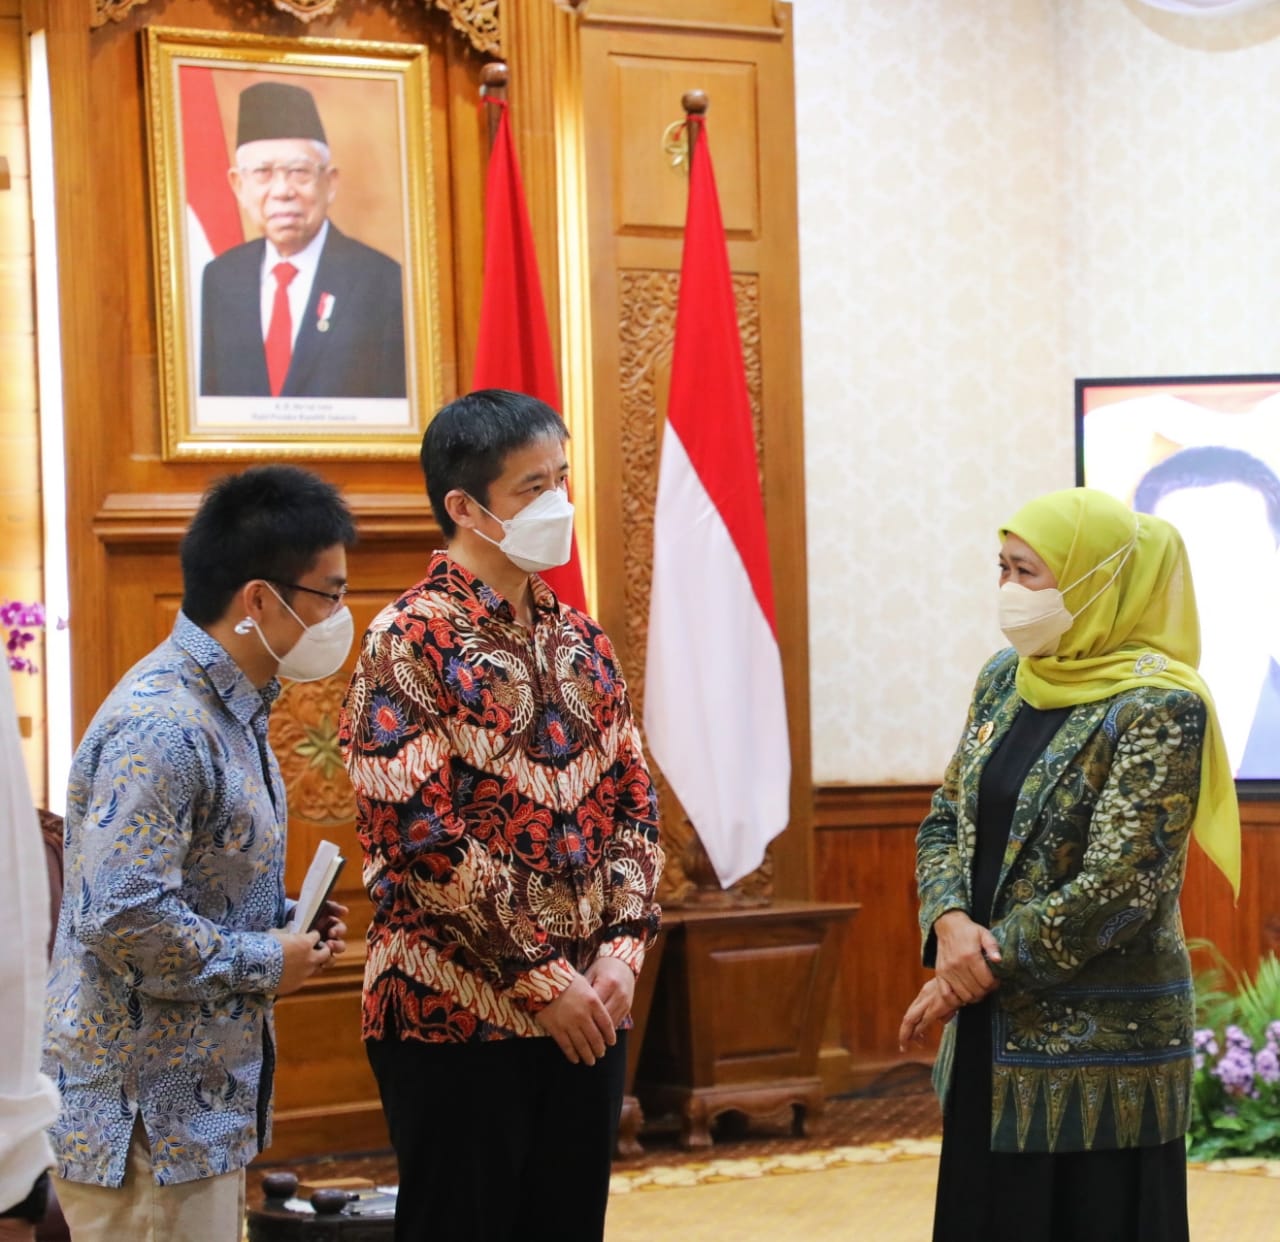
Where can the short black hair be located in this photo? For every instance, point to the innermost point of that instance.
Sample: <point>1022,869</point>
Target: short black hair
<point>268,522</point>
<point>1209,466</point>
<point>468,441</point>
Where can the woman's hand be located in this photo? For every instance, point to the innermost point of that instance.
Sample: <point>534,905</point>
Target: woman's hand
<point>931,1005</point>
<point>964,948</point>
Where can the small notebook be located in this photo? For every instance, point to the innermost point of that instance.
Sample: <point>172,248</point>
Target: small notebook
<point>323,873</point>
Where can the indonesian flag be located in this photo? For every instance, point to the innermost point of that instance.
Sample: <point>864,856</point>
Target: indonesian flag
<point>514,346</point>
<point>213,217</point>
<point>715,714</point>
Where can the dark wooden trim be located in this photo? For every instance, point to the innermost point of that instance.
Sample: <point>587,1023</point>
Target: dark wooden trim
<point>163,517</point>
<point>304,1133</point>
<point>838,807</point>
<point>865,843</point>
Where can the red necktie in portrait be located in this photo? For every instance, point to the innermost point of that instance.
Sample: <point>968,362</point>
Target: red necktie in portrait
<point>279,344</point>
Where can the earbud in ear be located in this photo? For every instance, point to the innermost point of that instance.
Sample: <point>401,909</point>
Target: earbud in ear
<point>245,626</point>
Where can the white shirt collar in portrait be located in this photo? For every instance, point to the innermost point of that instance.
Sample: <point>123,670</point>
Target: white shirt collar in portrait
<point>306,261</point>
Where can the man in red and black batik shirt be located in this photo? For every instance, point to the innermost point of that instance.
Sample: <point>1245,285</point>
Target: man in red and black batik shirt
<point>510,832</point>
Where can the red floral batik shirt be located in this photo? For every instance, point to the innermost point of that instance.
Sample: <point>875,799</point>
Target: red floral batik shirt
<point>509,825</point>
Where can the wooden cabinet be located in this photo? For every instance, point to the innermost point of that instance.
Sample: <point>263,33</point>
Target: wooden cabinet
<point>738,1013</point>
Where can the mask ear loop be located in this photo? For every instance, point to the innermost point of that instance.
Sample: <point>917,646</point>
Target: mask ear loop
<point>289,610</point>
<point>1127,551</point>
<point>501,521</point>
<point>248,623</point>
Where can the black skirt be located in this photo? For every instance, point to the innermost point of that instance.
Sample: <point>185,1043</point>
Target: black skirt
<point>1135,1194</point>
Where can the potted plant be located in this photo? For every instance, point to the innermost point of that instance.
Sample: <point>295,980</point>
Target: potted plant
<point>1236,1088</point>
<point>21,621</point>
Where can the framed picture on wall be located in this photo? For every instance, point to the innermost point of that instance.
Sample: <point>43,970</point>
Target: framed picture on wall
<point>1204,453</point>
<point>294,245</point>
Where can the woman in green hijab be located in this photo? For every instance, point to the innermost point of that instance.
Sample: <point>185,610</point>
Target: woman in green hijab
<point>1049,870</point>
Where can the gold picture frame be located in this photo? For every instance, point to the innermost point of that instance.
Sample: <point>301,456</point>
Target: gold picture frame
<point>251,368</point>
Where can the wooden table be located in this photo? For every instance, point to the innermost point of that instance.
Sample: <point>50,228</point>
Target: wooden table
<point>273,1222</point>
<point>738,1014</point>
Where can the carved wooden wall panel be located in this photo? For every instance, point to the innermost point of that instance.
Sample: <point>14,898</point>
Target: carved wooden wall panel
<point>646,331</point>
<point>637,61</point>
<point>304,736</point>
<point>475,20</point>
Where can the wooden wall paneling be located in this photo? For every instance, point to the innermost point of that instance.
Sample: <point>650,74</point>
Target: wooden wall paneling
<point>465,170</point>
<point>326,1098</point>
<point>21,528</point>
<point>1246,931</point>
<point>541,48</point>
<point>637,61</point>
<point>457,259</point>
<point>127,508</point>
<point>783,402</point>
<point>728,16</point>
<point>865,840</point>
<point>529,47</point>
<point>68,53</point>
<point>107,271</point>
<point>865,845</point>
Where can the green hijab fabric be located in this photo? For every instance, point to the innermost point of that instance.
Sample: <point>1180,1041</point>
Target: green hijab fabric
<point>1141,630</point>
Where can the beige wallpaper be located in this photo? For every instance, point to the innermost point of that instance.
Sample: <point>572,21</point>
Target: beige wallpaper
<point>997,197</point>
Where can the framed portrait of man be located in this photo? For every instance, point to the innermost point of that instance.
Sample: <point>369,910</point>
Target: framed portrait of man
<point>295,259</point>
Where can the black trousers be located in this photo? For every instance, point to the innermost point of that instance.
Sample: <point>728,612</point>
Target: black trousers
<point>499,1141</point>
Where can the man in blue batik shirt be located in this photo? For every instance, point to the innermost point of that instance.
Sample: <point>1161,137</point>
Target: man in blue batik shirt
<point>170,948</point>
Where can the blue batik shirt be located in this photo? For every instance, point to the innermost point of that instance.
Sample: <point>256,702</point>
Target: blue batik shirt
<point>163,972</point>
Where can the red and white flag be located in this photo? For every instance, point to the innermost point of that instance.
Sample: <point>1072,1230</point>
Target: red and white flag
<point>715,714</point>
<point>513,348</point>
<point>213,216</point>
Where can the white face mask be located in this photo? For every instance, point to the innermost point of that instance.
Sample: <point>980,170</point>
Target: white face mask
<point>540,536</point>
<point>321,650</point>
<point>1034,621</point>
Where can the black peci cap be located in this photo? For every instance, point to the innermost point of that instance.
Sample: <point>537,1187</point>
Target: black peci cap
<point>277,110</point>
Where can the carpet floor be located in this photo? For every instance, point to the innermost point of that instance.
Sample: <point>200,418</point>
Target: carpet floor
<point>901,1106</point>
<point>885,1192</point>
<point>868,1169</point>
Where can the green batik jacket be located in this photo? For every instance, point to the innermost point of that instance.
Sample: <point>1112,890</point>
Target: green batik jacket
<point>1092,1022</point>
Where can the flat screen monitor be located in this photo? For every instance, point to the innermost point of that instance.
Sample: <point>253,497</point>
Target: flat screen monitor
<point>1204,453</point>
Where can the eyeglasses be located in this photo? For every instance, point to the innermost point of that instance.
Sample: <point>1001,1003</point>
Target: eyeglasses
<point>301,174</point>
<point>334,597</point>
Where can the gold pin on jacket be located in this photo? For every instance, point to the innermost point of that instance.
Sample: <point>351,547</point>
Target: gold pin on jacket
<point>988,728</point>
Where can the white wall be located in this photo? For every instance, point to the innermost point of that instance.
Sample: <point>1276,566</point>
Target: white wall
<point>997,196</point>
<point>1171,137</point>
<point>931,279</point>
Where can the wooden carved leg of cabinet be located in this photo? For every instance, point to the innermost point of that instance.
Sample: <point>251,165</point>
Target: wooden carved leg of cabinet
<point>808,1116</point>
<point>695,1131</point>
<point>629,1128</point>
